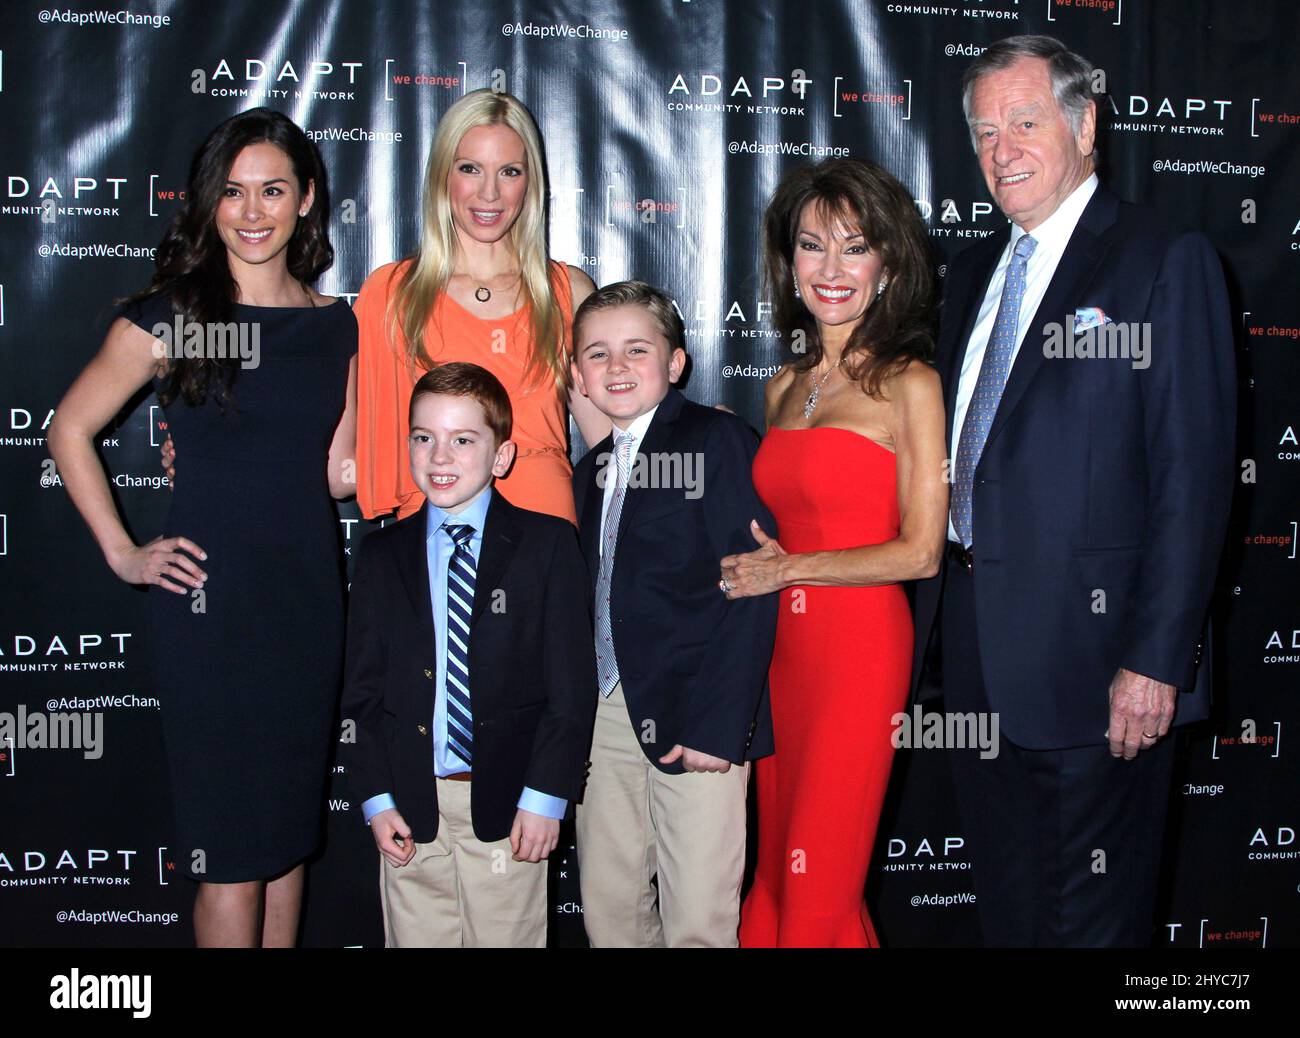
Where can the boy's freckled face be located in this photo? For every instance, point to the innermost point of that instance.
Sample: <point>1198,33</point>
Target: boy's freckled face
<point>623,362</point>
<point>453,452</point>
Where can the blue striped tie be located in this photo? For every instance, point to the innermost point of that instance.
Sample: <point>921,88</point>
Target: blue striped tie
<point>988,388</point>
<point>606,663</point>
<point>460,605</point>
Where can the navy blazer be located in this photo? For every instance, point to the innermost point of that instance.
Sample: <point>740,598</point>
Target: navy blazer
<point>1098,477</point>
<point>693,663</point>
<point>532,669</point>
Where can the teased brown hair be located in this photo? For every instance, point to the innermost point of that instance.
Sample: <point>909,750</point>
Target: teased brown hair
<point>897,327</point>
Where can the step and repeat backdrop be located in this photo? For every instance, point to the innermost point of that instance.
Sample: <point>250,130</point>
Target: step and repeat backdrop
<point>667,126</point>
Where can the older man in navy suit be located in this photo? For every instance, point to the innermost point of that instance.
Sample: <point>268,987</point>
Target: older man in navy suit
<point>1088,365</point>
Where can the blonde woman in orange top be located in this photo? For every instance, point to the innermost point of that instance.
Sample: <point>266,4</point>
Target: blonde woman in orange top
<point>479,288</point>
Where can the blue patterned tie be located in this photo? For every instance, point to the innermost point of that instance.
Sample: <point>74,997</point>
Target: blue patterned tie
<point>606,664</point>
<point>988,388</point>
<point>460,605</point>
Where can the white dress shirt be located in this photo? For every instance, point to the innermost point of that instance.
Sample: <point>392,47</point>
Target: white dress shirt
<point>638,430</point>
<point>1052,235</point>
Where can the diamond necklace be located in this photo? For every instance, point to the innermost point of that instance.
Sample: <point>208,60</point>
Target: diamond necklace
<point>810,405</point>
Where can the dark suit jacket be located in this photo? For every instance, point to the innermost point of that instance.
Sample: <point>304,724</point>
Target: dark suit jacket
<point>1098,476</point>
<point>532,669</point>
<point>693,663</point>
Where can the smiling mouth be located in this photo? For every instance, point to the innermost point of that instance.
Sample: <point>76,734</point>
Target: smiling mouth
<point>441,482</point>
<point>620,387</point>
<point>486,216</point>
<point>1013,179</point>
<point>253,237</point>
<point>832,293</point>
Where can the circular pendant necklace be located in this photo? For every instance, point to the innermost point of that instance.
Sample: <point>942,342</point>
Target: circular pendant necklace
<point>482,293</point>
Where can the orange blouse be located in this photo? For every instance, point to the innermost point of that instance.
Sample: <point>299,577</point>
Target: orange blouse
<point>541,478</point>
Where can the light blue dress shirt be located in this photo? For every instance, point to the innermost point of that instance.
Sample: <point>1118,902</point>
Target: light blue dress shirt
<point>439,545</point>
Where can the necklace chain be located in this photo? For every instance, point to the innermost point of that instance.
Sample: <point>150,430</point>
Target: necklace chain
<point>814,398</point>
<point>481,292</point>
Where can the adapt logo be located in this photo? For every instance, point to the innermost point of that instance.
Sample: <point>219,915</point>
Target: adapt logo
<point>93,866</point>
<point>905,857</point>
<point>1139,113</point>
<point>255,70</point>
<point>781,94</point>
<point>17,186</point>
<point>255,77</point>
<point>57,196</point>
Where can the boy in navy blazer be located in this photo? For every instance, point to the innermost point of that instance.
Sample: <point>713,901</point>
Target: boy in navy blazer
<point>682,671</point>
<point>470,680</point>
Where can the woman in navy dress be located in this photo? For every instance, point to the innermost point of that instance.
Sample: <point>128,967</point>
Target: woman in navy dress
<point>247,596</point>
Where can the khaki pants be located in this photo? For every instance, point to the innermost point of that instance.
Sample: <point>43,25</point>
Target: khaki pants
<point>687,832</point>
<point>461,892</point>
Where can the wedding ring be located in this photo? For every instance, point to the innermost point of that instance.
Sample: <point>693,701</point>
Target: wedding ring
<point>724,586</point>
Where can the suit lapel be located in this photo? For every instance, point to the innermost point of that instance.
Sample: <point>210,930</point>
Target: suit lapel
<point>592,502</point>
<point>500,538</point>
<point>1079,262</point>
<point>656,439</point>
<point>413,567</point>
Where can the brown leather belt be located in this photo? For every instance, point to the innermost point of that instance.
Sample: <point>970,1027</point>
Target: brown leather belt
<point>460,776</point>
<point>962,556</point>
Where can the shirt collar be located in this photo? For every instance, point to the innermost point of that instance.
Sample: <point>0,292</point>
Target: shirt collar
<point>474,514</point>
<point>1054,233</point>
<point>638,427</point>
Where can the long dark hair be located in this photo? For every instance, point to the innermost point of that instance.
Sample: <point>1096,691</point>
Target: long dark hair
<point>897,327</point>
<point>191,267</point>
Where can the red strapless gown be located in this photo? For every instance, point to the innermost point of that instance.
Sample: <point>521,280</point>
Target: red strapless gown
<point>840,671</point>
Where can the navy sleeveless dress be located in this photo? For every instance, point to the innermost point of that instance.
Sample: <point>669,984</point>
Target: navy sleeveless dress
<point>248,672</point>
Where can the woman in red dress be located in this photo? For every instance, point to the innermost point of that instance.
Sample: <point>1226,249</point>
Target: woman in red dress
<point>852,467</point>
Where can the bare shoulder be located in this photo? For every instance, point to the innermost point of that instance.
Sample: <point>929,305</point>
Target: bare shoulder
<point>131,354</point>
<point>322,300</point>
<point>581,284</point>
<point>779,383</point>
<point>775,392</point>
<point>916,385</point>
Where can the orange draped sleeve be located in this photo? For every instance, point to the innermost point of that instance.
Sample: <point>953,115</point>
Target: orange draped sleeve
<point>541,478</point>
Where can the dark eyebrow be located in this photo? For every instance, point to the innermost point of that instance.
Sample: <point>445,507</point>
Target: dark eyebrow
<point>273,180</point>
<point>847,237</point>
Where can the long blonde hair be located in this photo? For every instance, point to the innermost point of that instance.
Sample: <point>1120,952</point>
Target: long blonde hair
<point>430,269</point>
